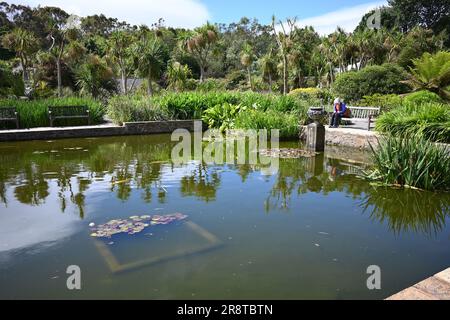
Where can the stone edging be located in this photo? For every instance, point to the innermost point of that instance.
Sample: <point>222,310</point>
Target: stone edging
<point>354,138</point>
<point>128,128</point>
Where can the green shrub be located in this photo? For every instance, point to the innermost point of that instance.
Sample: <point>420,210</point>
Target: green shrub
<point>222,116</point>
<point>430,120</point>
<point>212,85</point>
<point>422,97</point>
<point>386,102</point>
<point>34,113</point>
<point>135,108</point>
<point>411,161</point>
<point>287,123</point>
<point>384,79</point>
<point>190,105</point>
<point>312,94</point>
<point>10,84</point>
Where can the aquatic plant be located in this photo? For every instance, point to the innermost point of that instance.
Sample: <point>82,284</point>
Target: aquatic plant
<point>429,120</point>
<point>410,161</point>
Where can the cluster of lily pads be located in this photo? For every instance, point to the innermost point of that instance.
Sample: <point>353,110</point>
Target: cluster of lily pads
<point>287,153</point>
<point>133,225</point>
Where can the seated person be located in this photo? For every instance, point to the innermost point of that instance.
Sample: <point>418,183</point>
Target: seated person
<point>340,110</point>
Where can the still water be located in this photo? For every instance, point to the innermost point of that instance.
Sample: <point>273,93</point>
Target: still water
<point>308,231</point>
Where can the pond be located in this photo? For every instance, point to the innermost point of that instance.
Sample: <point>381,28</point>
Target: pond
<point>308,231</point>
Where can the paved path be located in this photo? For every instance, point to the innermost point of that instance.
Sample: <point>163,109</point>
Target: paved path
<point>436,287</point>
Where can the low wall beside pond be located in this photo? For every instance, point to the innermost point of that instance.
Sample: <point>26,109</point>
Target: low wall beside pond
<point>129,128</point>
<point>346,137</point>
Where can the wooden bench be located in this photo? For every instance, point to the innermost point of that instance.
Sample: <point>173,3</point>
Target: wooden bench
<point>9,114</point>
<point>363,114</point>
<point>68,112</point>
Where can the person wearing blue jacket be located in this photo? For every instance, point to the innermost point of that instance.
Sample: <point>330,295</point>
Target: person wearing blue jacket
<point>339,110</point>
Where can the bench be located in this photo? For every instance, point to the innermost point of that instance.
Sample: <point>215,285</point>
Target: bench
<point>363,114</point>
<point>68,112</point>
<point>9,114</point>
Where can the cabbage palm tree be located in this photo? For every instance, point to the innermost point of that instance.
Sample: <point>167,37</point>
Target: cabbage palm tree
<point>149,58</point>
<point>268,67</point>
<point>199,43</point>
<point>24,44</point>
<point>247,59</point>
<point>177,75</point>
<point>93,75</point>
<point>432,73</point>
<point>119,53</point>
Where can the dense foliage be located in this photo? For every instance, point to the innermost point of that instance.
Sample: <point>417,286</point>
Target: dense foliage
<point>411,161</point>
<point>219,109</point>
<point>384,79</point>
<point>429,120</point>
<point>103,55</point>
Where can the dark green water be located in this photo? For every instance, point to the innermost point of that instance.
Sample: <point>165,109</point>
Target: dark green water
<point>308,232</point>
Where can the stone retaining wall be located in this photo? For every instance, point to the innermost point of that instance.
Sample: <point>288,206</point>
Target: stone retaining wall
<point>129,128</point>
<point>346,137</point>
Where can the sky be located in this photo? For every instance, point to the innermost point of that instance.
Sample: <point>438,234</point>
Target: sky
<point>323,15</point>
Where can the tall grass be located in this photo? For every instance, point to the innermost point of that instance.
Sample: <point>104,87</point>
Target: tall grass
<point>411,161</point>
<point>136,108</point>
<point>34,113</point>
<point>193,105</point>
<point>287,123</point>
<point>189,105</point>
<point>429,120</point>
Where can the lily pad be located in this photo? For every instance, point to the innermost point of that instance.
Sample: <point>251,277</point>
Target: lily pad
<point>287,153</point>
<point>133,225</point>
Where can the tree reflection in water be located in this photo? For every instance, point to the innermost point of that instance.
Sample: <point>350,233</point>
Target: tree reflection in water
<point>128,163</point>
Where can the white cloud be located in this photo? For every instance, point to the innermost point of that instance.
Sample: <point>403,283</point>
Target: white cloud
<point>346,18</point>
<point>176,13</point>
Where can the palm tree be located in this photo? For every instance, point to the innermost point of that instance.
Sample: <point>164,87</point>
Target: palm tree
<point>149,58</point>
<point>247,59</point>
<point>93,75</point>
<point>268,67</point>
<point>177,75</point>
<point>24,44</point>
<point>285,42</point>
<point>432,73</point>
<point>199,43</point>
<point>119,53</point>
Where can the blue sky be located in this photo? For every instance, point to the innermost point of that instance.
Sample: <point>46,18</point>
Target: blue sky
<point>324,15</point>
<point>232,10</point>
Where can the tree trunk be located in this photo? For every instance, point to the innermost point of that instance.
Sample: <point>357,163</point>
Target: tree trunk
<point>24,71</point>
<point>58,71</point>
<point>270,83</point>
<point>150,87</point>
<point>124,82</point>
<point>285,80</point>
<point>250,78</point>
<point>202,73</point>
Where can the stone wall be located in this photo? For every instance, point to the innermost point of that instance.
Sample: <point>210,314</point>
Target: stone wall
<point>130,128</point>
<point>346,137</point>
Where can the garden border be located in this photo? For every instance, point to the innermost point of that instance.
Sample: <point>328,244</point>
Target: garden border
<point>128,128</point>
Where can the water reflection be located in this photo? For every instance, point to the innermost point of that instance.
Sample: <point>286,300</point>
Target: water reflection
<point>416,211</point>
<point>125,164</point>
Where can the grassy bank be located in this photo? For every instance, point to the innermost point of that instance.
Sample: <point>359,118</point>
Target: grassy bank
<point>34,113</point>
